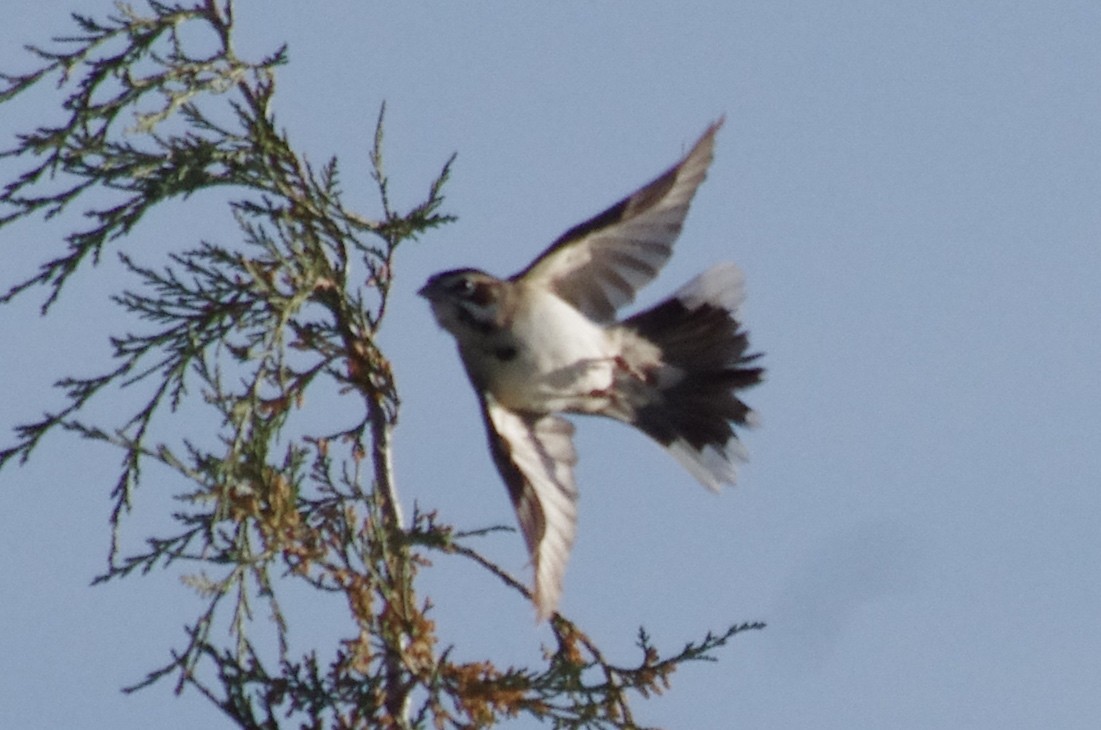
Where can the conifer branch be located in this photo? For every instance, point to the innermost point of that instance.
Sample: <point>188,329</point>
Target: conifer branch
<point>241,335</point>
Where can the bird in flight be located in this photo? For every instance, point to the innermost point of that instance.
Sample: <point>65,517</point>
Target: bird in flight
<point>546,341</point>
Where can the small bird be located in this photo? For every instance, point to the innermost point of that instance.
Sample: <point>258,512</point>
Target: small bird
<point>546,341</point>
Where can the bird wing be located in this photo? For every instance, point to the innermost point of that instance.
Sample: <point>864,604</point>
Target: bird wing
<point>598,266</point>
<point>535,456</point>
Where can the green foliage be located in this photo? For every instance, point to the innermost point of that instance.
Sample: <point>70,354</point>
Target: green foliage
<point>246,330</point>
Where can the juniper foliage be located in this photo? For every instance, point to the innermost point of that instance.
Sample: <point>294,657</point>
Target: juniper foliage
<point>246,329</point>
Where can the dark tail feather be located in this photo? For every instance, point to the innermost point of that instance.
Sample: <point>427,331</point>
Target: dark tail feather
<point>699,337</point>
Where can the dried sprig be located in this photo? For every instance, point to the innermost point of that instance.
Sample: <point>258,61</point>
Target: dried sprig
<point>243,332</point>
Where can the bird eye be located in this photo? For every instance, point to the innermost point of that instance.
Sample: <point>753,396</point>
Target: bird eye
<point>464,285</point>
<point>477,292</point>
<point>461,287</point>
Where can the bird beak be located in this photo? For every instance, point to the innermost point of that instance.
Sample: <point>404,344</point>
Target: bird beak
<point>432,291</point>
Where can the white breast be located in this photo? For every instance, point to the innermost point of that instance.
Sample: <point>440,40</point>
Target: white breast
<point>562,359</point>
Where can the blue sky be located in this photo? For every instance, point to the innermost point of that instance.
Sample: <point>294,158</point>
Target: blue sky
<point>912,191</point>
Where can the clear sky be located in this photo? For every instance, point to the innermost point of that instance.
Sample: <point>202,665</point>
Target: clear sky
<point>914,193</point>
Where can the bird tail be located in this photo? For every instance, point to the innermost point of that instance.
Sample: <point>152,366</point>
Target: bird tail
<point>694,404</point>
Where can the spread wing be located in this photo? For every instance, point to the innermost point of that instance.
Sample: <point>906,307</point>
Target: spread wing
<point>598,266</point>
<point>535,456</point>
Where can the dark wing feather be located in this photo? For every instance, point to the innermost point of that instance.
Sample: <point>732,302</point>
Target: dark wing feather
<point>598,266</point>
<point>535,456</point>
